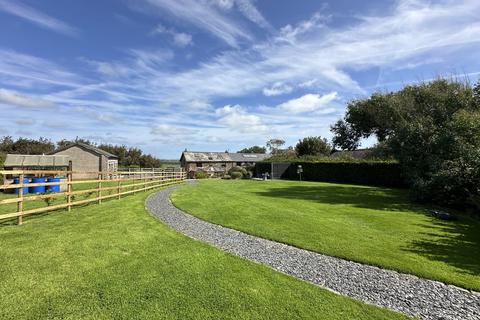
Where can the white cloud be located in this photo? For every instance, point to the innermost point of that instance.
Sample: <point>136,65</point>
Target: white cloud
<point>290,33</point>
<point>223,4</point>
<point>248,9</point>
<point>169,130</point>
<point>278,88</point>
<point>238,119</point>
<point>308,83</point>
<point>308,103</point>
<point>180,39</point>
<point>13,98</point>
<point>204,16</point>
<point>28,13</point>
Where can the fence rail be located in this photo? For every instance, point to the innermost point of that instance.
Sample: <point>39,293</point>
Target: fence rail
<point>137,181</point>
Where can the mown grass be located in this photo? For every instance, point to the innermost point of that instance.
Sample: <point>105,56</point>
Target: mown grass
<point>115,261</point>
<point>27,205</point>
<point>371,225</point>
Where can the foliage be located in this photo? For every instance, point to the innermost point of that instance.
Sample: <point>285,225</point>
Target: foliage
<point>429,128</point>
<point>274,145</point>
<point>236,175</point>
<point>313,146</point>
<point>201,175</point>
<point>238,172</point>
<point>373,173</point>
<point>377,226</point>
<point>26,146</point>
<point>254,149</point>
<point>226,177</point>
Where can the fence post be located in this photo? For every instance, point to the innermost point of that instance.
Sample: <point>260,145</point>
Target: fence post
<point>69,186</point>
<point>99,186</point>
<point>20,196</point>
<point>119,177</point>
<point>133,182</point>
<point>145,182</point>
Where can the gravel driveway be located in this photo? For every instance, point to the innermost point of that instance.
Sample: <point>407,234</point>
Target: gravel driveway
<point>405,293</point>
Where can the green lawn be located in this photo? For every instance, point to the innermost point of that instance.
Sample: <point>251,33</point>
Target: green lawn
<point>371,225</point>
<point>27,205</point>
<point>115,261</point>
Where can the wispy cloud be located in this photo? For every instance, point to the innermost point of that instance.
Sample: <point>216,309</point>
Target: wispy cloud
<point>33,15</point>
<point>180,39</point>
<point>278,88</point>
<point>13,98</point>
<point>204,16</point>
<point>248,9</point>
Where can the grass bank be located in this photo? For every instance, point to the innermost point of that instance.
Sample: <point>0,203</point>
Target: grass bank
<point>377,226</point>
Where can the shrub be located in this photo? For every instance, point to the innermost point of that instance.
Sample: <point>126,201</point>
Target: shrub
<point>236,175</point>
<point>243,172</point>
<point>313,146</point>
<point>201,175</point>
<point>226,177</point>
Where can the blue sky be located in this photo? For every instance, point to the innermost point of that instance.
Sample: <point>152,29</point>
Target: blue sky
<point>166,75</point>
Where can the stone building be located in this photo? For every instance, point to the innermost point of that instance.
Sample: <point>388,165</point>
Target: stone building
<point>217,163</point>
<point>88,158</point>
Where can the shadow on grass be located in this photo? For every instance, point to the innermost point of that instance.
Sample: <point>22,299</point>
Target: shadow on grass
<point>456,243</point>
<point>360,197</point>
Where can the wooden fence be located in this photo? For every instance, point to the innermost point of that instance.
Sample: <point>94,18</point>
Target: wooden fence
<point>124,183</point>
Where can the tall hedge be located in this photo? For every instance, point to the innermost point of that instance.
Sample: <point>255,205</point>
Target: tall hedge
<point>374,173</point>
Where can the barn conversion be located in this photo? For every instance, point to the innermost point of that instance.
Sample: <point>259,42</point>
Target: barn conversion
<point>217,163</point>
<point>88,158</point>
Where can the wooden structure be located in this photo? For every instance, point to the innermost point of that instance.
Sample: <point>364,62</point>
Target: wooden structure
<point>17,162</point>
<point>121,183</point>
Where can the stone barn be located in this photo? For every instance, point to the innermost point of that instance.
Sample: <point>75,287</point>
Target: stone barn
<point>88,158</point>
<point>217,163</point>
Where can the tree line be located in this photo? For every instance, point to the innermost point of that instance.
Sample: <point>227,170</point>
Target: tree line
<point>127,156</point>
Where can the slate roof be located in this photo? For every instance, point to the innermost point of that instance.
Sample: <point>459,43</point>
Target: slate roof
<point>21,160</point>
<point>193,156</point>
<point>88,147</point>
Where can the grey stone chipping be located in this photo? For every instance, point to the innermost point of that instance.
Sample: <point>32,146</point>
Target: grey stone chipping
<point>414,296</point>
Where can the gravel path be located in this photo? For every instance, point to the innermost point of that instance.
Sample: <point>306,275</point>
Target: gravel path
<point>405,293</point>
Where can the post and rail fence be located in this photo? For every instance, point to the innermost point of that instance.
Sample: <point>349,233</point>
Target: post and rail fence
<point>117,184</point>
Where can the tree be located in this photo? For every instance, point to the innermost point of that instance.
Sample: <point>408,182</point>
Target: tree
<point>26,146</point>
<point>430,128</point>
<point>254,149</point>
<point>313,146</point>
<point>274,145</point>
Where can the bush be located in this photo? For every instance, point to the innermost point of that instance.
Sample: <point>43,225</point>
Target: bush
<point>236,175</point>
<point>226,177</point>
<point>372,173</point>
<point>313,146</point>
<point>201,175</point>
<point>243,172</point>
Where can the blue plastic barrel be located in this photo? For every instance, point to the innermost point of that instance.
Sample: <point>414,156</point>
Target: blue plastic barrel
<point>25,188</point>
<point>53,188</point>
<point>38,189</point>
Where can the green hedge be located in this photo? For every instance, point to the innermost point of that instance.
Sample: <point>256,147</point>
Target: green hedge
<point>374,173</point>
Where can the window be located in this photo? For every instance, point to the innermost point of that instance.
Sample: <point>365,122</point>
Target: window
<point>199,165</point>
